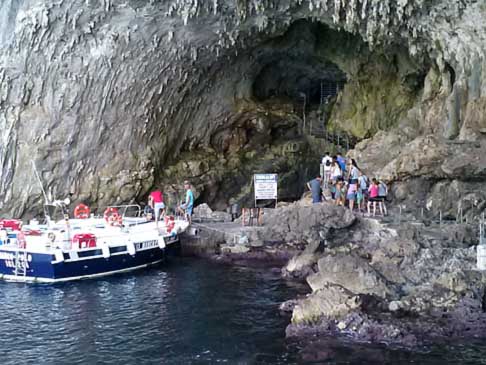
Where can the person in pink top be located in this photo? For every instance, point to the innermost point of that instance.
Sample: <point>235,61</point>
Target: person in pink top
<point>373,196</point>
<point>156,201</point>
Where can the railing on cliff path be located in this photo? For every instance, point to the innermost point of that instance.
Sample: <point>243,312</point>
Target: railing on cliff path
<point>317,129</point>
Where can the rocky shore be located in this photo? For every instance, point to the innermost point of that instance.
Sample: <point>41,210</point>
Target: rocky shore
<point>372,280</point>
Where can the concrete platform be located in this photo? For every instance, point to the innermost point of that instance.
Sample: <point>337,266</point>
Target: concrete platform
<point>204,239</point>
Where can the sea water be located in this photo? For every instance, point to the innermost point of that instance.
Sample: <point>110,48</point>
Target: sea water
<point>187,311</point>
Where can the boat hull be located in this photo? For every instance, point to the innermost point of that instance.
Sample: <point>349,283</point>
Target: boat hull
<point>47,268</point>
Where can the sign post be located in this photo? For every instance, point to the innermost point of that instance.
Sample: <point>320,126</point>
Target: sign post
<point>265,187</point>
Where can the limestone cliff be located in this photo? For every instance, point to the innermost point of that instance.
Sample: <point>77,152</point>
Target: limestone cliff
<point>111,97</point>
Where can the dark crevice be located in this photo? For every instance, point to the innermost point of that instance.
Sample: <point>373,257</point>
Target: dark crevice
<point>452,74</point>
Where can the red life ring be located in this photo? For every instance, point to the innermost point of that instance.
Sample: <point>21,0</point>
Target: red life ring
<point>169,223</point>
<point>81,211</point>
<point>31,232</point>
<point>112,217</point>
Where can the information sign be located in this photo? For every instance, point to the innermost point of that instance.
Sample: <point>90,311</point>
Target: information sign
<point>265,186</point>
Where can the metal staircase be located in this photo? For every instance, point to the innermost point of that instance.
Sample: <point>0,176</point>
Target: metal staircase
<point>317,129</point>
<point>20,262</point>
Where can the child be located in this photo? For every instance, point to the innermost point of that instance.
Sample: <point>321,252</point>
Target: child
<point>338,193</point>
<point>351,195</point>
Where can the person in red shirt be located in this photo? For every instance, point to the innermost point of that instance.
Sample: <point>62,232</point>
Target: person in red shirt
<point>156,201</point>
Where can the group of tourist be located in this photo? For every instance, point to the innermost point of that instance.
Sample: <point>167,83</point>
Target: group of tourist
<point>346,184</point>
<point>157,208</point>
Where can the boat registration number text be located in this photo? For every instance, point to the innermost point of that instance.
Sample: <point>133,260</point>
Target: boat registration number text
<point>9,259</point>
<point>146,245</point>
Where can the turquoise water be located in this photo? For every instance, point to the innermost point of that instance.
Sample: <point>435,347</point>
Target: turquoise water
<point>188,311</point>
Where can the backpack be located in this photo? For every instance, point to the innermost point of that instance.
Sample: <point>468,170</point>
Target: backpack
<point>328,162</point>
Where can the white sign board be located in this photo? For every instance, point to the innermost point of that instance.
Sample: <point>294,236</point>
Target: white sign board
<point>265,186</point>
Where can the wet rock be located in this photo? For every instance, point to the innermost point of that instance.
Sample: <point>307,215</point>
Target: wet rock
<point>331,301</point>
<point>349,271</point>
<point>393,288</point>
<point>288,306</point>
<point>234,249</point>
<point>296,223</point>
<point>300,266</point>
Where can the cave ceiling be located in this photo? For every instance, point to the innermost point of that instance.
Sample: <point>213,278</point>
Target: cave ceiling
<point>111,98</point>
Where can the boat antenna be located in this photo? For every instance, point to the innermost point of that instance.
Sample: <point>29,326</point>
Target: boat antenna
<point>40,181</point>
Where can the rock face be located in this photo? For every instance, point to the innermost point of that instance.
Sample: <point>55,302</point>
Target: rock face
<point>404,284</point>
<point>305,224</point>
<point>110,98</point>
<point>204,212</point>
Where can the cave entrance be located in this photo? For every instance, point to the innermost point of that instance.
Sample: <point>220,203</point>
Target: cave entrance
<point>299,71</point>
<point>305,83</point>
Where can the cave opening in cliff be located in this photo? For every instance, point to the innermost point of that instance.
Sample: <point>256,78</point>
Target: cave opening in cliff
<point>313,81</point>
<point>295,69</point>
<point>336,78</point>
<point>310,81</point>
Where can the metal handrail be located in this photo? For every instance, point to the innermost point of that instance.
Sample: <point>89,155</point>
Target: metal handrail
<point>126,207</point>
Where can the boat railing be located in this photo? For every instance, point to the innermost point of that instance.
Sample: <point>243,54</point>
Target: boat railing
<point>124,209</point>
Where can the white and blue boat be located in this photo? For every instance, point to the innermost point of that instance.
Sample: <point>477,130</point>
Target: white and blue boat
<point>85,246</point>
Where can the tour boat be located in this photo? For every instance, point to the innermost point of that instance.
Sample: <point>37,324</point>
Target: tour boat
<point>85,246</point>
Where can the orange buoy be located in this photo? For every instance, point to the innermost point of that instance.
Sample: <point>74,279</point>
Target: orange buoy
<point>169,223</point>
<point>112,217</point>
<point>81,211</point>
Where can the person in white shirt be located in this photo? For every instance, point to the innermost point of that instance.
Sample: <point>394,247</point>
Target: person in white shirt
<point>327,163</point>
<point>336,172</point>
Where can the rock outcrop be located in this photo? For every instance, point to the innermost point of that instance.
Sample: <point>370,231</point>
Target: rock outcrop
<point>370,280</point>
<point>404,285</point>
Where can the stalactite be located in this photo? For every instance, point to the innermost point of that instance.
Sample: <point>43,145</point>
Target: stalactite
<point>80,65</point>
